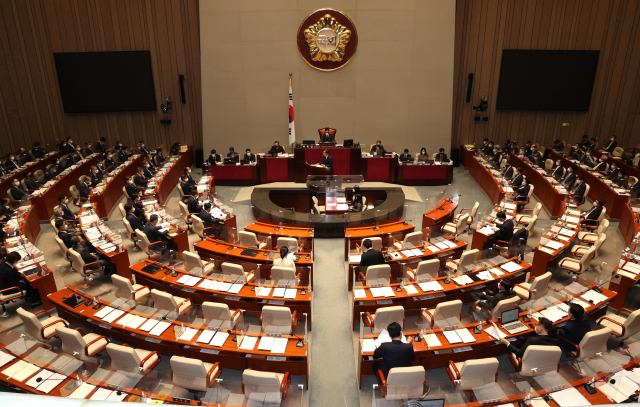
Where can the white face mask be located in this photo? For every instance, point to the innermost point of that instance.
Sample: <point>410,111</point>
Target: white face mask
<point>612,139</point>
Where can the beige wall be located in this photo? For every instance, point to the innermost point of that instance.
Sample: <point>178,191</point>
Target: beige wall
<point>398,87</point>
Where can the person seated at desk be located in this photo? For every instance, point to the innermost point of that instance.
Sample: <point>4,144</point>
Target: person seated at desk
<point>517,178</point>
<point>206,217</point>
<point>88,149</point>
<point>37,151</point>
<point>612,172</point>
<point>394,353</point>
<point>356,200</point>
<point>142,148</point>
<point>3,171</point>
<point>507,147</point>
<point>101,145</point>
<point>423,155</point>
<point>569,177</point>
<point>327,160</point>
<point>67,214</point>
<point>558,170</point>
<point>101,168</point>
<point>11,163</point>
<point>593,214</point>
<point>504,228</point>
<point>79,154</point>
<point>10,277</point>
<point>585,141</point>
<point>95,176</point>
<point>249,157</point>
<point>233,155</point>
<point>405,157</point>
<point>213,158</point>
<point>6,211</point>
<point>542,328</point>
<point>89,257</point>
<point>589,160</point>
<point>156,234</point>
<point>138,209</point>
<point>514,148</point>
<point>139,180</point>
<point>193,206</point>
<point>576,328</point>
<point>51,173</point>
<point>130,186</point>
<point>285,260</point>
<point>134,221</point>
<point>377,148</point>
<point>508,170</point>
<point>31,183</point>
<point>326,136</point>
<point>527,149</point>
<point>534,155</point>
<point>63,234</point>
<point>579,188</point>
<point>621,180</point>
<point>187,173</point>
<point>85,188</point>
<point>601,166</point>
<point>187,189</point>
<point>558,146</point>
<point>497,155</point>
<point>441,156</point>
<point>486,147</point>
<point>370,256</point>
<point>159,158</point>
<point>276,148</point>
<point>612,145</point>
<point>591,145</point>
<point>109,163</point>
<point>17,192</point>
<point>522,193</point>
<point>633,187</point>
<point>488,300</point>
<point>146,170</point>
<point>23,157</point>
<point>148,159</point>
<point>124,154</point>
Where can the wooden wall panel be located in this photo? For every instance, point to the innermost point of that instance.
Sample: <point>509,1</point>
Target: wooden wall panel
<point>30,103</point>
<point>485,27</point>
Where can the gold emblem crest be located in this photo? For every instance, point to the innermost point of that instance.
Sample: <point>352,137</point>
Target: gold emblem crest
<point>327,39</point>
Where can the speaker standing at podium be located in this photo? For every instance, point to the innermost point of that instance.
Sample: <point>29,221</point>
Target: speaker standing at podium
<point>327,160</point>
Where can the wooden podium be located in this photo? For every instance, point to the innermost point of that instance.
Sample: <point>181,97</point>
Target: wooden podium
<point>315,170</point>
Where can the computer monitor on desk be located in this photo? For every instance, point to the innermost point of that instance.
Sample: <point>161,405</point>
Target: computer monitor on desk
<point>348,143</point>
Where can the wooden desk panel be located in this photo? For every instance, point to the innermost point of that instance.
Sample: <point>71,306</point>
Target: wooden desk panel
<point>346,160</point>
<point>628,225</point>
<point>410,174</point>
<point>379,169</point>
<point>215,249</point>
<point>443,213</point>
<point>113,191</point>
<point>232,174</point>
<point>485,180</point>
<point>276,169</point>
<point>543,189</point>
<point>466,156</point>
<point>172,177</point>
<point>355,235</point>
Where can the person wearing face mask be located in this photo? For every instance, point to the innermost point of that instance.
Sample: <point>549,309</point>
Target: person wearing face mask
<point>70,144</point>
<point>138,208</point>
<point>423,156</point>
<point>146,169</point>
<point>592,144</point>
<point>11,163</point>
<point>558,146</point>
<point>117,146</point>
<point>522,193</point>
<point>489,149</point>
<point>139,179</point>
<point>611,145</point>
<point>589,160</point>
<point>17,192</point>
<point>142,148</point>
<point>109,163</point>
<point>130,186</point>
<point>577,192</point>
<point>155,233</point>
<point>517,179</point>
<point>85,189</point>
<point>214,158</point>
<point>95,176</point>
<point>497,155</point>
<point>558,171</point>
<point>92,257</point>
<point>585,141</point>
<point>576,328</point>
<point>569,177</point>
<point>612,172</point>
<point>51,173</point>
<point>101,145</point>
<point>159,158</point>
<point>542,328</point>
<point>63,234</point>
<point>124,154</point>
<point>67,214</point>
<point>88,149</point>
<point>134,221</point>
<point>101,168</point>
<point>588,217</point>
<point>37,151</point>
<point>152,165</point>
<point>31,183</point>
<point>187,189</point>
<point>187,173</point>
<point>633,187</point>
<point>601,167</point>
<point>79,155</point>
<point>534,154</point>
<point>576,152</point>
<point>6,212</point>
<point>356,200</point>
<point>507,147</point>
<point>622,179</point>
<point>488,300</point>
<point>23,157</point>
<point>508,170</point>
<point>527,148</point>
<point>486,146</point>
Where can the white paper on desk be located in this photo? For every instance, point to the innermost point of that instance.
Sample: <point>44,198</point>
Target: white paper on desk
<point>569,398</point>
<point>573,219</point>
<point>205,336</point>
<point>101,394</point>
<point>368,345</point>
<point>376,292</point>
<point>355,258</point>
<point>124,321</point>
<point>205,284</point>
<point>136,322</point>
<point>410,289</point>
<point>486,230</point>
<point>160,328</point>
<point>465,335</point>
<point>224,287</point>
<point>452,337</point>
<point>432,340</point>
<point>51,383</point>
<point>408,253</point>
<point>466,279</point>
<point>192,281</point>
<point>388,292</point>
<point>494,332</point>
<point>219,339</point>
<point>591,295</point>
<point>567,232</point>
<point>235,289</point>
<point>5,358</point>
<point>82,392</point>
<point>496,271</point>
<point>147,326</point>
<point>215,285</point>
<point>617,393</point>
<point>384,337</point>
<point>188,334</point>
<point>511,267</point>
<point>442,246</point>
<point>249,342</point>
<point>632,267</point>
<point>103,312</point>
<point>278,292</point>
<point>546,250</point>
<point>43,375</point>
<point>266,343</point>
<point>485,275</point>
<point>359,293</point>
<point>115,397</point>
<point>263,292</point>
<point>459,281</point>
<point>554,245</point>
<point>290,293</point>
<point>508,189</point>
<point>113,316</point>
<point>279,345</point>
<point>395,255</point>
<point>431,286</point>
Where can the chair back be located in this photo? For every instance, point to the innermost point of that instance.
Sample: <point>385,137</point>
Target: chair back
<point>248,239</point>
<point>376,242</point>
<point>263,387</point>
<point>77,263</point>
<point>412,238</point>
<point>127,226</point>
<point>536,209</point>
<point>598,243</point>
<point>462,223</point>
<point>123,286</point>
<point>504,305</point>
<point>124,191</point>
<point>9,194</point>
<point>180,191</point>
<point>531,188</point>
<point>604,225</point>
<point>122,211</point>
<point>474,212</point>
<point>427,269</point>
<point>548,164</point>
<point>72,341</point>
<point>189,373</point>
<point>276,319</point>
<point>81,179</point>
<point>32,324</point>
<point>586,190</point>
<point>594,342</point>
<point>631,324</point>
<point>540,357</point>
<point>467,257</point>
<point>405,383</point>
<point>602,213</point>
<point>447,309</point>
<point>74,191</point>
<point>617,152</point>
<point>379,271</point>
<point>163,300</point>
<point>192,261</point>
<point>144,241</point>
<point>541,285</point>
<point>198,226</point>
<point>314,199</point>
<point>61,246</point>
<point>215,311</point>
<point>531,225</point>
<point>39,175</point>
<point>123,358</point>
<point>282,273</point>
<point>24,184</point>
<point>478,372</point>
<point>384,316</point>
<point>234,270</point>
<point>184,212</point>
<point>290,242</point>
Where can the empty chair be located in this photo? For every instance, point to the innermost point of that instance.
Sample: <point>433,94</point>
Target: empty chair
<point>290,242</point>
<point>237,271</point>
<point>192,261</point>
<point>548,164</point>
<point>321,208</point>
<point>591,237</point>
<point>86,344</point>
<point>265,387</point>
<point>579,250</point>
<point>284,273</point>
<point>184,213</point>
<point>426,270</point>
<point>473,373</point>
<point>132,360</point>
<point>194,374</point>
<point>411,239</point>
<point>125,289</point>
<point>379,274</point>
<point>527,218</point>
<point>536,288</point>
<point>622,327</point>
<point>617,152</point>
<point>467,257</point>
<point>39,176</point>
<point>85,270</point>
<point>592,343</point>
<point>40,330</point>
<point>149,247</point>
<point>8,295</point>
<point>578,266</point>
<point>131,234</point>
<point>249,239</point>
<point>537,360</point>
<point>278,320</point>
<point>166,301</point>
<point>403,383</point>
<point>383,317</point>
<point>444,310</point>
<point>454,229</point>
<point>218,315</point>
<point>472,214</point>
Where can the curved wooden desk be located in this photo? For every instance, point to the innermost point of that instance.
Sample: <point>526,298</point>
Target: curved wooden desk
<point>220,250</point>
<point>172,177</point>
<point>629,225</point>
<point>356,234</point>
<point>112,191</point>
<point>441,214</point>
<point>485,179</point>
<point>544,190</point>
<point>263,230</point>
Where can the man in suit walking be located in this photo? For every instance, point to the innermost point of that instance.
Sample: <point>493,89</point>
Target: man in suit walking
<point>370,256</point>
<point>542,328</point>
<point>394,353</point>
<point>327,160</point>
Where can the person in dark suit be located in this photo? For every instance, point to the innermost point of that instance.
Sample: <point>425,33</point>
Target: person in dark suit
<point>207,219</point>
<point>591,145</point>
<point>67,214</point>
<point>527,148</point>
<point>11,163</point>
<point>6,212</point>
<point>131,217</point>
<point>31,183</point>
<point>507,147</point>
<point>142,148</point>
<point>101,168</point>
<point>63,234</point>
<point>522,193</point>
<point>377,147</point>
<point>146,170</point>
<point>497,156</point>
<point>139,179</point>
<point>505,228</point>
<point>276,148</point>
<point>85,188</point>
<point>3,171</point>
<point>569,177</point>
<point>92,257</point>
<point>394,353</point>
<point>633,188</point>
<point>109,163</point>
<point>214,158</point>
<point>79,154</point>
<point>187,173</point>
<point>487,147</point>
<point>17,192</point>
<point>488,300</point>
<point>327,160</point>
<point>558,170</point>
<point>589,160</point>
<point>138,209</point>
<point>441,156</point>
<point>405,156</point>
<point>601,167</point>
<point>88,149</point>
<point>130,187</point>
<point>579,188</point>
<point>249,157</point>
<point>23,157</point>
<point>326,136</point>
<point>37,151</point>
<point>558,146</point>
<point>576,328</point>
<point>534,155</point>
<point>612,145</point>
<point>187,189</point>
<point>612,172</point>
<point>593,214</point>
<point>370,256</point>
<point>621,180</point>
<point>517,178</point>
<point>95,176</point>
<point>10,277</point>
<point>508,170</point>
<point>356,200</point>
<point>585,141</point>
<point>154,233</point>
<point>101,145</point>
<point>193,206</point>
<point>51,173</point>
<point>233,155</point>
<point>542,328</point>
